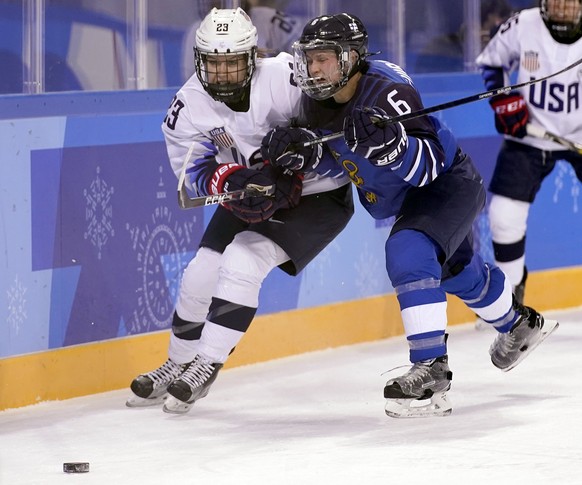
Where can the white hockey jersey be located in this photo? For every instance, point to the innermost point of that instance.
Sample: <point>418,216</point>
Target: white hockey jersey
<point>227,136</point>
<point>524,43</point>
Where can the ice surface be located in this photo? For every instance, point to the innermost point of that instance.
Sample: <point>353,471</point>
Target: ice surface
<point>319,418</point>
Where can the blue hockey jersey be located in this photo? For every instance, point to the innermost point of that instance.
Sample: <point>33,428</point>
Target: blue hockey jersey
<point>432,148</point>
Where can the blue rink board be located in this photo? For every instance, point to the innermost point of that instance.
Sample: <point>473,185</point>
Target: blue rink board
<point>94,243</point>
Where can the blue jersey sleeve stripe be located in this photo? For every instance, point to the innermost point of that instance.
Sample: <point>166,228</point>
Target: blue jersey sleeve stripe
<point>493,77</point>
<point>413,157</point>
<point>202,169</point>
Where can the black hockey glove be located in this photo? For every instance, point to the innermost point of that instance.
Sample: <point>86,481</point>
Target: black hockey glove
<point>511,114</point>
<point>289,186</point>
<point>368,134</point>
<point>229,177</point>
<point>277,147</point>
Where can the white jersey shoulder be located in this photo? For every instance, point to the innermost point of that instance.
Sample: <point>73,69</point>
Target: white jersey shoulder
<point>525,45</point>
<point>194,117</point>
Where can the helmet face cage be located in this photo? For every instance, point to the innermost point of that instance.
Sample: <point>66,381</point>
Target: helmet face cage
<point>225,77</point>
<point>225,54</point>
<point>563,18</point>
<point>321,87</point>
<point>340,33</point>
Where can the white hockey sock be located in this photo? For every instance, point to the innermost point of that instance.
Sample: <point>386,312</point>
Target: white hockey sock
<point>217,342</point>
<point>182,351</point>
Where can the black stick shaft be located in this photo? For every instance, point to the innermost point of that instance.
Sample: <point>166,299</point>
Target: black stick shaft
<point>448,104</point>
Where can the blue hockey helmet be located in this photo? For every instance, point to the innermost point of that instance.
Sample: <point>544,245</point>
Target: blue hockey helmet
<point>341,33</point>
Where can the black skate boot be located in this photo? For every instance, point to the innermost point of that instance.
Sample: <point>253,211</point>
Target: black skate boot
<point>427,380</point>
<point>193,384</point>
<point>530,329</point>
<point>150,389</point>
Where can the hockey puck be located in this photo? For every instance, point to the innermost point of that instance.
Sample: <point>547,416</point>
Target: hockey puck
<point>76,467</point>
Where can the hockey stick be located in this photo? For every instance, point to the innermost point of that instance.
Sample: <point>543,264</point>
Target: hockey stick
<point>539,132</point>
<point>187,202</point>
<point>439,107</point>
<point>183,197</point>
<point>251,190</point>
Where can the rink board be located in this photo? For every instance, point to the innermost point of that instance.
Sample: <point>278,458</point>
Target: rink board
<point>105,366</point>
<point>94,246</point>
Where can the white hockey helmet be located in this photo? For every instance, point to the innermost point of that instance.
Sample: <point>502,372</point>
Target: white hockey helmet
<point>563,18</point>
<point>225,34</point>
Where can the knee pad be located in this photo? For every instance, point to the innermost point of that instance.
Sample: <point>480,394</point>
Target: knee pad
<point>507,219</point>
<point>414,270</point>
<point>411,256</point>
<point>246,262</point>
<point>198,285</point>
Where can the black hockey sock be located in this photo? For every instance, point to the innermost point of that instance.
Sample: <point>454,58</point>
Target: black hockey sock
<point>504,253</point>
<point>185,329</point>
<point>231,315</point>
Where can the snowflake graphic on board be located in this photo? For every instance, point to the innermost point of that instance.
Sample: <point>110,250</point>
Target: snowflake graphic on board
<point>321,265</point>
<point>563,172</point>
<point>161,249</point>
<point>482,237</point>
<point>368,268</point>
<point>16,305</point>
<point>98,212</point>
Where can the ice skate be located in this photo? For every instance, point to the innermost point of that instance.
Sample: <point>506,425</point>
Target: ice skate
<point>421,392</point>
<point>193,384</point>
<point>531,329</point>
<point>150,389</point>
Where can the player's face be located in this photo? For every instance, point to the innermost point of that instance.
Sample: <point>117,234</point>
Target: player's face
<point>323,64</point>
<point>566,11</point>
<point>226,68</point>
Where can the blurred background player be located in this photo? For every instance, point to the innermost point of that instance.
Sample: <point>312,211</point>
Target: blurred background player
<point>416,172</point>
<point>446,52</point>
<point>536,42</point>
<point>226,119</point>
<point>276,30</point>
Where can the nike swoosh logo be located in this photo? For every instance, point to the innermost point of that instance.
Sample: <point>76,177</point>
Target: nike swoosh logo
<point>275,220</point>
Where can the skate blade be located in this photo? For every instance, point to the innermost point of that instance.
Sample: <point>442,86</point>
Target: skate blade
<point>547,329</point>
<point>175,406</point>
<point>140,402</point>
<point>437,405</point>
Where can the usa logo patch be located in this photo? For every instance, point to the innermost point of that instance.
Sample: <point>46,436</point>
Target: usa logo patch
<point>221,137</point>
<point>530,61</point>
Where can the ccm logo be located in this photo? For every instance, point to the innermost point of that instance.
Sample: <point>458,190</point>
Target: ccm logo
<point>216,199</point>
